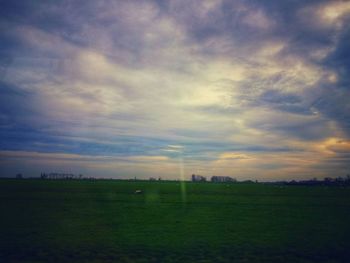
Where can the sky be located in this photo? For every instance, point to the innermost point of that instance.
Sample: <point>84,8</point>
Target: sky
<point>254,89</point>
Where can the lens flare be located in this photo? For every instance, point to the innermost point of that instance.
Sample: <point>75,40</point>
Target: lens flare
<point>182,180</point>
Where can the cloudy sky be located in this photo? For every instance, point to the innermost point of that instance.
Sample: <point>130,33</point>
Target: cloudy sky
<point>250,89</point>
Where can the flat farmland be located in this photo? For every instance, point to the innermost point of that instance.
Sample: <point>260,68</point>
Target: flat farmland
<point>105,221</point>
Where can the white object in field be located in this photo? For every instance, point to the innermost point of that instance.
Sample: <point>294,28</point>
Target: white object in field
<point>138,192</point>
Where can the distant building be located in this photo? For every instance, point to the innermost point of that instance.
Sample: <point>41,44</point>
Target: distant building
<point>248,181</point>
<point>58,176</point>
<point>222,179</point>
<point>198,178</point>
<point>152,179</point>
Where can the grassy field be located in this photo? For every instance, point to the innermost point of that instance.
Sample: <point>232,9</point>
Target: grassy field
<point>104,221</point>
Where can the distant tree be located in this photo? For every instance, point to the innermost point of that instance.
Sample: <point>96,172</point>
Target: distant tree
<point>328,179</point>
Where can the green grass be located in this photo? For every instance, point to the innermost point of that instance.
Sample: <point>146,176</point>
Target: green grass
<point>104,221</point>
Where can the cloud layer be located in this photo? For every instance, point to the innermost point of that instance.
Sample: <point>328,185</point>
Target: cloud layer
<point>256,89</point>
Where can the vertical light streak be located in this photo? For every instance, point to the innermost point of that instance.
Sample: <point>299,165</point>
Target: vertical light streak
<point>182,180</point>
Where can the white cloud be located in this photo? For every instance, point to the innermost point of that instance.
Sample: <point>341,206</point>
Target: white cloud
<point>139,71</point>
